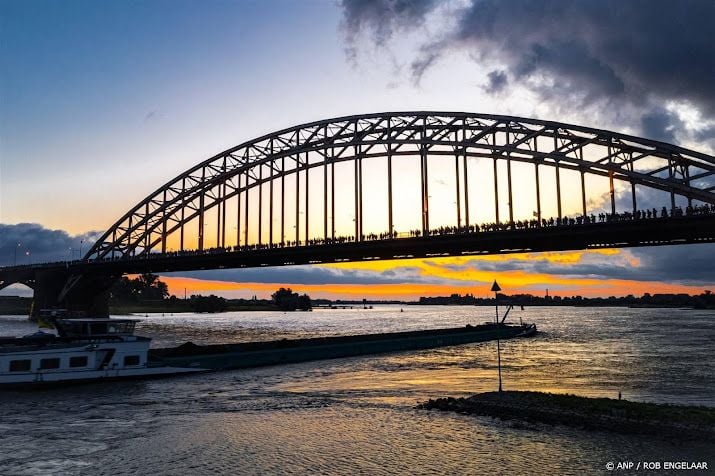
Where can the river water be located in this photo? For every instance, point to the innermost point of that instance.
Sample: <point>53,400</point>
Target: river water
<point>356,415</point>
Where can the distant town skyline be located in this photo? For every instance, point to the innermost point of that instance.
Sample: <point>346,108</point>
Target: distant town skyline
<point>112,100</point>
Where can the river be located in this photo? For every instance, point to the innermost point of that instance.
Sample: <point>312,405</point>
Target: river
<point>356,415</point>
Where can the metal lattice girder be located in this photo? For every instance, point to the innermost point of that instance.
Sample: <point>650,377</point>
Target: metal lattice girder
<point>639,161</point>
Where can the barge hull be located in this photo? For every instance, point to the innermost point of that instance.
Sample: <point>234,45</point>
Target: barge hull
<point>257,354</point>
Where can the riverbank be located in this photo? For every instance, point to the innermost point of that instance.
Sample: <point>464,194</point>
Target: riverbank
<point>124,310</point>
<point>620,416</point>
<point>20,306</point>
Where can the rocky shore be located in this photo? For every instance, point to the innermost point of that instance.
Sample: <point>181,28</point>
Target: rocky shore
<point>621,416</point>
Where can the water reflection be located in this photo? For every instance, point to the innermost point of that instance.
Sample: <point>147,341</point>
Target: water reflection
<point>356,415</point>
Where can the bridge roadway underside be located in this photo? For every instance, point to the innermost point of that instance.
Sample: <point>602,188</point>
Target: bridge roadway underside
<point>83,287</point>
<point>619,234</point>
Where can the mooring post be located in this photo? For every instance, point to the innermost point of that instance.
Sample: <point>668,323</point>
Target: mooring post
<point>496,289</point>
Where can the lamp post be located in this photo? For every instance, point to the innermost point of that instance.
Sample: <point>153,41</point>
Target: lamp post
<point>15,262</point>
<point>496,289</point>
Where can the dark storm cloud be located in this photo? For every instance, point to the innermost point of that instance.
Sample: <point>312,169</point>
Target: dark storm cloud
<point>605,53</point>
<point>42,244</point>
<point>687,264</point>
<point>682,264</point>
<point>705,134</point>
<point>382,18</point>
<point>497,82</point>
<point>660,124</point>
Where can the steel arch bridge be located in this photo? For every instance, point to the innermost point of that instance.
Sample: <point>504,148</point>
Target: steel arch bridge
<point>246,185</point>
<point>392,186</point>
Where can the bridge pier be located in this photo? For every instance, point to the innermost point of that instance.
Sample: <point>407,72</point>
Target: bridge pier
<point>80,295</point>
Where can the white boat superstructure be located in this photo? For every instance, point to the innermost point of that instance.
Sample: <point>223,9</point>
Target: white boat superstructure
<point>85,349</point>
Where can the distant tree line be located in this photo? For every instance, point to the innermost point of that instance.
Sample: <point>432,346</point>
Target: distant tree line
<point>700,301</point>
<point>287,300</point>
<point>146,287</point>
<point>147,291</point>
<point>209,303</point>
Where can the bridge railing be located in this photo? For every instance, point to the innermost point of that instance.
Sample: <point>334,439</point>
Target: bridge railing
<point>531,224</point>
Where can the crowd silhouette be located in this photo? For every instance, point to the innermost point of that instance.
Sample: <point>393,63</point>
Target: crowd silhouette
<point>495,227</point>
<point>648,214</point>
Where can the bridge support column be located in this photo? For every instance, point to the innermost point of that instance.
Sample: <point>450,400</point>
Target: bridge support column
<point>425,180</point>
<point>558,190</point>
<point>245,216</point>
<point>260,204</point>
<point>390,225</point>
<point>201,222</point>
<point>613,192</point>
<point>538,193</point>
<point>496,193</point>
<point>466,190</point>
<point>283,201</point>
<point>325,202</point>
<point>80,295</point>
<point>307,195</point>
<point>508,181</point>
<point>583,194</point>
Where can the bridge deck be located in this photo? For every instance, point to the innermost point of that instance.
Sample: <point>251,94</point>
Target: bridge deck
<point>617,234</point>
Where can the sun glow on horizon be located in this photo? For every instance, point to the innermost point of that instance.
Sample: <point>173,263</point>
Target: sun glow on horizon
<point>412,291</point>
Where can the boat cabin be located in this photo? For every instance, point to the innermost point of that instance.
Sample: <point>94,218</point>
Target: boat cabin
<point>96,328</point>
<point>86,349</point>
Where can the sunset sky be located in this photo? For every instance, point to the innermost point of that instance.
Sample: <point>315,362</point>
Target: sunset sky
<point>103,102</point>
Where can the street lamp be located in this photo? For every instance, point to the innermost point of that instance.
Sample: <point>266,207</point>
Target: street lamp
<point>15,261</point>
<point>27,253</point>
<point>495,290</point>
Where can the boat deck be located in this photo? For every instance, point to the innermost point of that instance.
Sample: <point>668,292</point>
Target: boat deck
<point>255,354</point>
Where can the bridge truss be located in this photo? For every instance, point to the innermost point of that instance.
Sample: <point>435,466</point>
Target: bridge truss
<point>279,170</point>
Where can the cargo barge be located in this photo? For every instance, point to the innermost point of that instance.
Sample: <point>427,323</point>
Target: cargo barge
<point>257,354</point>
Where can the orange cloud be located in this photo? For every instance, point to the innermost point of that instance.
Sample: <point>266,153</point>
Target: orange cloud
<point>468,278</point>
<point>511,282</point>
<point>557,257</point>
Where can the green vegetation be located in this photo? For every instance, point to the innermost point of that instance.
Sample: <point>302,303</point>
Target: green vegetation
<point>677,421</point>
<point>287,300</point>
<point>147,287</point>
<point>147,293</point>
<point>208,304</point>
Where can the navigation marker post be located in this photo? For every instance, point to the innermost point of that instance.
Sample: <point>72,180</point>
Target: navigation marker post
<point>496,289</point>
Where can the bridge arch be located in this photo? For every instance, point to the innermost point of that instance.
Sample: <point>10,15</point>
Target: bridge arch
<point>260,170</point>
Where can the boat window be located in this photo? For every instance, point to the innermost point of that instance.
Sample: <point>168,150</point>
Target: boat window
<point>125,327</point>
<point>72,328</point>
<point>49,364</point>
<point>98,328</point>
<point>131,360</point>
<point>80,361</point>
<point>20,365</point>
